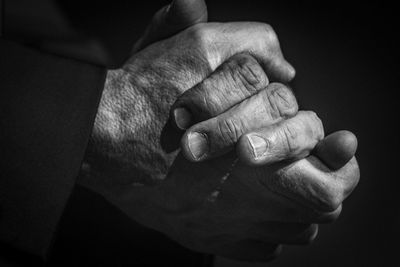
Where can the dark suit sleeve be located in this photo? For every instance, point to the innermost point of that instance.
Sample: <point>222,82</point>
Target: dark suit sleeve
<point>47,108</point>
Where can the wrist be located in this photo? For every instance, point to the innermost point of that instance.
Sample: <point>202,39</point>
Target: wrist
<point>126,134</point>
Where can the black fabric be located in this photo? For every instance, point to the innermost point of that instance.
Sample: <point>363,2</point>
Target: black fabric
<point>47,108</point>
<point>100,32</point>
<point>93,232</point>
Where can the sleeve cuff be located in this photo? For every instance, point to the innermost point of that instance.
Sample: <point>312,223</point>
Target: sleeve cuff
<point>47,108</point>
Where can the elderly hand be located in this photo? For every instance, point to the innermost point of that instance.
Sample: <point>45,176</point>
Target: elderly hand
<point>219,74</point>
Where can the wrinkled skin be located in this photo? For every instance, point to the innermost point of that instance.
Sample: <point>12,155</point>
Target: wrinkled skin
<point>137,98</point>
<point>221,205</point>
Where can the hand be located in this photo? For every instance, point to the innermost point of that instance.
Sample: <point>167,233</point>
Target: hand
<point>315,186</point>
<point>137,98</point>
<point>128,166</point>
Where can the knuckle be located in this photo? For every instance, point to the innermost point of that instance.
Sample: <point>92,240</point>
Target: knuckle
<point>200,33</point>
<point>247,72</point>
<point>339,187</point>
<point>316,119</point>
<point>269,34</point>
<point>331,199</point>
<point>230,130</point>
<point>313,124</point>
<point>281,100</point>
<point>309,115</point>
<point>290,134</point>
<point>351,179</point>
<point>205,103</point>
<point>356,178</point>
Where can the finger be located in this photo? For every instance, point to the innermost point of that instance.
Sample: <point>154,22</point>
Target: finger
<point>257,38</point>
<point>297,212</point>
<point>219,135</point>
<point>307,214</point>
<point>238,78</point>
<point>336,149</point>
<point>285,233</point>
<point>271,203</point>
<point>313,184</point>
<point>325,217</point>
<point>175,17</point>
<point>289,139</point>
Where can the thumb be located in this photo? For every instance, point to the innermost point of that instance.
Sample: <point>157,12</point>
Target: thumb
<point>170,19</point>
<point>336,149</point>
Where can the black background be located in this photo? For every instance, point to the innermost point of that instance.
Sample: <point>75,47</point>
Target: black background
<point>346,61</point>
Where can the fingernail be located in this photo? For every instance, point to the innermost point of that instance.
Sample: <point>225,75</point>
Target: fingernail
<point>291,71</point>
<point>198,145</point>
<point>182,118</point>
<point>259,146</point>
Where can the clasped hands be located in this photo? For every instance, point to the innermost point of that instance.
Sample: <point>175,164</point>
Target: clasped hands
<point>252,171</point>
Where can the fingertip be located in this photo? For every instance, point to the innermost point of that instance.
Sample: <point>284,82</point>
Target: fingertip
<point>349,140</point>
<point>251,150</point>
<point>185,148</point>
<point>282,70</point>
<point>181,118</point>
<point>337,149</point>
<point>194,146</point>
<point>345,142</point>
<point>187,12</point>
<point>290,72</point>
